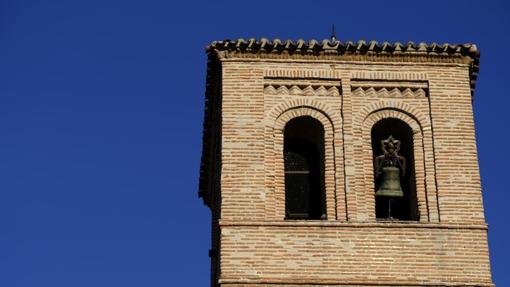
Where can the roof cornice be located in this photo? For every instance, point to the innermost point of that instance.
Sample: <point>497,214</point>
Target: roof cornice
<point>328,48</point>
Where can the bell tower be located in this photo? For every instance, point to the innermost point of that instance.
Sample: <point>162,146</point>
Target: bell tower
<point>343,164</point>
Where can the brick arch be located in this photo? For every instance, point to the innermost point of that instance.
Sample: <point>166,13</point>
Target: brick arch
<point>392,105</point>
<point>297,105</point>
<point>275,179</point>
<point>295,112</point>
<point>419,158</point>
<point>385,113</point>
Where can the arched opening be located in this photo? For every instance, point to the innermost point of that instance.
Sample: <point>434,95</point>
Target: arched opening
<point>304,169</point>
<point>396,208</point>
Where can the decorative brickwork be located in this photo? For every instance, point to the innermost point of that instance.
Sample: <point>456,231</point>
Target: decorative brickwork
<point>256,87</point>
<point>301,90</point>
<point>383,92</point>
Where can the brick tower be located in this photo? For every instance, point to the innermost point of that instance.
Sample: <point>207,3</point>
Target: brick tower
<point>292,133</point>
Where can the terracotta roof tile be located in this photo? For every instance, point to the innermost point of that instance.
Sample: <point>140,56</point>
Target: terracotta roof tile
<point>361,47</point>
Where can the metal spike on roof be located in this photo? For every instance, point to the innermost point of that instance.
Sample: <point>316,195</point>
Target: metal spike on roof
<point>333,34</point>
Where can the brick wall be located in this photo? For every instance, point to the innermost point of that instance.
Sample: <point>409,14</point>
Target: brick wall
<point>446,247</point>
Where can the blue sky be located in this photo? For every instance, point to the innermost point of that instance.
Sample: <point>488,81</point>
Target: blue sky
<point>101,109</point>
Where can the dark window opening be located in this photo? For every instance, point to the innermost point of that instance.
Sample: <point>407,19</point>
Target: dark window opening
<point>405,208</point>
<point>304,169</point>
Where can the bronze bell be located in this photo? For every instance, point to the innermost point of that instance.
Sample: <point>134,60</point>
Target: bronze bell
<point>390,185</point>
